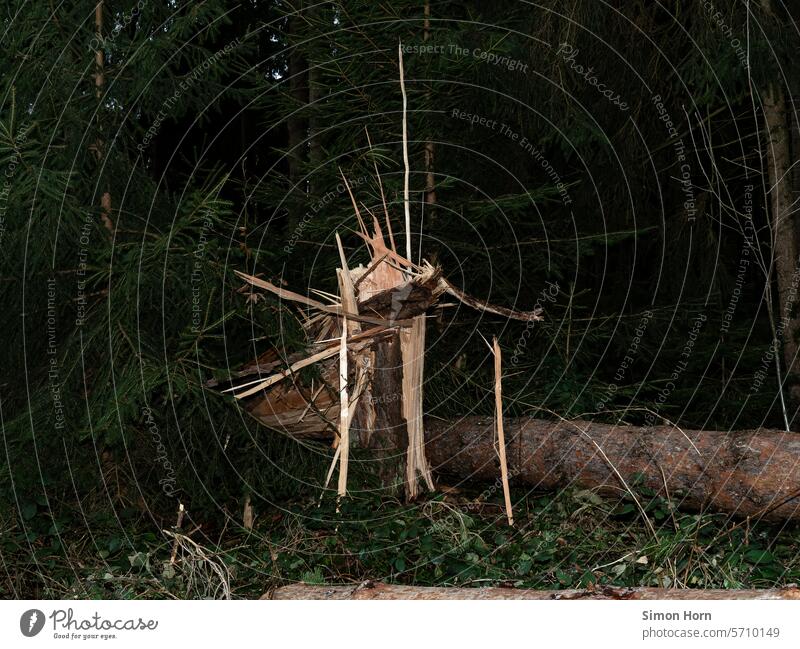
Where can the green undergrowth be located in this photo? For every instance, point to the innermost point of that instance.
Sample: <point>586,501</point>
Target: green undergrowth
<point>567,540</point>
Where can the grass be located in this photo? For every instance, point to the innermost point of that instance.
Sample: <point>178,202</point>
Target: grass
<point>566,540</point>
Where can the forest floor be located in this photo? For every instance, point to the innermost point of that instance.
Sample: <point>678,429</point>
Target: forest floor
<point>571,539</point>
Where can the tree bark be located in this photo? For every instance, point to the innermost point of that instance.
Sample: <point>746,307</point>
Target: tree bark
<point>379,591</point>
<point>749,473</point>
<point>780,199</point>
<point>297,124</point>
<point>386,437</point>
<point>779,162</point>
<point>99,82</point>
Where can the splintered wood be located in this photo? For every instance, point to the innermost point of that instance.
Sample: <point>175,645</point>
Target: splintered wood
<point>370,394</point>
<point>501,437</point>
<point>412,342</point>
<point>370,390</point>
<point>345,352</point>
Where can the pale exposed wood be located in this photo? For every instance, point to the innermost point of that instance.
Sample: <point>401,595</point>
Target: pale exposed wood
<point>344,414</point>
<point>347,291</point>
<point>311,401</point>
<point>406,204</point>
<point>384,276</point>
<point>480,305</point>
<point>248,517</point>
<point>383,196</point>
<point>501,437</point>
<point>178,523</point>
<point>305,362</point>
<point>373,265</point>
<point>339,311</point>
<point>355,205</point>
<point>378,591</point>
<point>412,341</point>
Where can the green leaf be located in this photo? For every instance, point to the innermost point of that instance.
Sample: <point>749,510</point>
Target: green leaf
<point>758,557</point>
<point>28,510</point>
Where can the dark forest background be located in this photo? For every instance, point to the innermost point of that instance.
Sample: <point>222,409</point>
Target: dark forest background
<point>150,149</point>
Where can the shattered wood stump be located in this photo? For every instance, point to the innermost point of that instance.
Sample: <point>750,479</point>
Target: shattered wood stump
<point>380,317</point>
<point>368,344</point>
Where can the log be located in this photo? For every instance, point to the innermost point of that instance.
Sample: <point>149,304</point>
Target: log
<point>380,591</point>
<point>747,473</point>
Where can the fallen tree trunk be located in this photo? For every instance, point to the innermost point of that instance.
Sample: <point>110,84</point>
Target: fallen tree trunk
<point>373,590</point>
<point>749,473</point>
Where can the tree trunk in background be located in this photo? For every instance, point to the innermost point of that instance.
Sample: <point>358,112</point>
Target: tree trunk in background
<point>315,152</point>
<point>99,82</point>
<point>297,124</point>
<point>783,223</point>
<point>315,144</point>
<point>784,232</point>
<point>377,590</point>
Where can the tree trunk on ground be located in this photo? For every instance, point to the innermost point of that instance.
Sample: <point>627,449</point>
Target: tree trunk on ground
<point>373,590</point>
<point>749,473</point>
<point>753,473</point>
